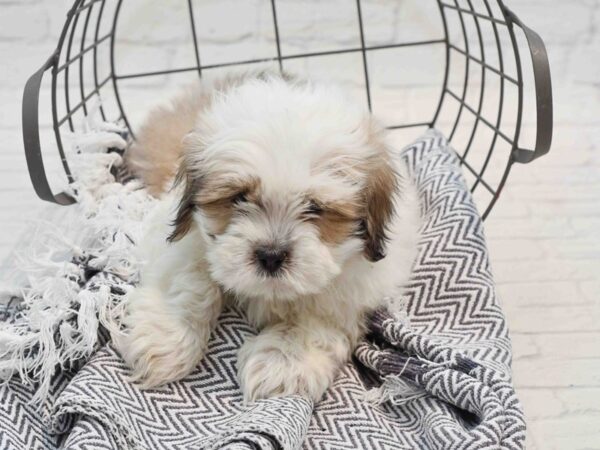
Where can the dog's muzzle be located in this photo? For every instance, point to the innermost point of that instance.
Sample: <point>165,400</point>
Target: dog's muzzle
<point>270,259</point>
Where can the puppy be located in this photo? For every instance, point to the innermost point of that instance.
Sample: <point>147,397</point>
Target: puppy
<point>283,197</point>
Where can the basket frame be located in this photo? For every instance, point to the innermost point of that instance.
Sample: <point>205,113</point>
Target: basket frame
<point>83,8</point>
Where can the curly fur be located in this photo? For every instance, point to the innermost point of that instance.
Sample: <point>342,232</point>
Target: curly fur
<point>295,167</point>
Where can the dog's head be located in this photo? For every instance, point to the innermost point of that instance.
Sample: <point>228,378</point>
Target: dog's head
<point>288,182</point>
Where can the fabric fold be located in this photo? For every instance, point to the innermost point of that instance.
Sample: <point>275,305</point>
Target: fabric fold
<point>202,411</point>
<point>435,375</point>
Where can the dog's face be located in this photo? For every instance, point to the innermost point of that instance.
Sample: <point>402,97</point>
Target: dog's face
<point>288,183</point>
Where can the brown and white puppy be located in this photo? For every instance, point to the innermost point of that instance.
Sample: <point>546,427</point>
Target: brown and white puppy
<point>286,201</point>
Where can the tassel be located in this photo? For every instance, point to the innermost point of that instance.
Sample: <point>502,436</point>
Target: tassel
<point>396,391</point>
<point>55,322</point>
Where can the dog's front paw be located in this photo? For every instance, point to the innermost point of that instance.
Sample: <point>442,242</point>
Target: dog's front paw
<point>159,357</point>
<point>160,347</point>
<point>270,366</point>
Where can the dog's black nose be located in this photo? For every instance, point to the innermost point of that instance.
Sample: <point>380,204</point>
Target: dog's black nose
<point>270,259</point>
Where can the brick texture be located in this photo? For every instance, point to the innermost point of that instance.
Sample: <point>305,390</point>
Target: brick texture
<point>543,235</point>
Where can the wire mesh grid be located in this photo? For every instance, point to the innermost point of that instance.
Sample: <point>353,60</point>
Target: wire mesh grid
<point>481,60</point>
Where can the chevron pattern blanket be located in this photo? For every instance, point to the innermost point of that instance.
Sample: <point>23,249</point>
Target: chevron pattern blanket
<point>433,373</point>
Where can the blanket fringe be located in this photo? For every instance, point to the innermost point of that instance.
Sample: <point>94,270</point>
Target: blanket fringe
<point>394,390</point>
<point>55,321</point>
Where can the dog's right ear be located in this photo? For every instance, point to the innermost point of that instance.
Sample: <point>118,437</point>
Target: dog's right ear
<point>184,218</point>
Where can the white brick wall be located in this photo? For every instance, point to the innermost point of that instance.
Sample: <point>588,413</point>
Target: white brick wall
<point>543,235</point>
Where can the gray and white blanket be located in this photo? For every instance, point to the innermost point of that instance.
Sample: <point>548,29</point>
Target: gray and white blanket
<point>433,373</point>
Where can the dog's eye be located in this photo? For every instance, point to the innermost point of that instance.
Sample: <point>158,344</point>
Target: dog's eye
<point>239,198</point>
<point>314,209</point>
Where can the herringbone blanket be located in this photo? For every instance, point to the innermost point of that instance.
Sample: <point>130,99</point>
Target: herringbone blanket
<point>434,372</point>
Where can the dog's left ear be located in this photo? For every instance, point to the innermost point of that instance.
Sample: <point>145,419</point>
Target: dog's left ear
<point>185,209</point>
<point>379,193</point>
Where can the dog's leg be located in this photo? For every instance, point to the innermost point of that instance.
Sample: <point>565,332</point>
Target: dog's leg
<point>172,312</point>
<point>169,328</point>
<point>285,359</point>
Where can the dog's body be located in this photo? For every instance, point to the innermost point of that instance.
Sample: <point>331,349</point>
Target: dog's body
<point>283,204</point>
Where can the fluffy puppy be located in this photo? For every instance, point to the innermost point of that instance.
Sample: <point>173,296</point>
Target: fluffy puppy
<point>286,201</point>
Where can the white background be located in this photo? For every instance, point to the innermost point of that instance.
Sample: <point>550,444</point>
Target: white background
<point>544,235</point>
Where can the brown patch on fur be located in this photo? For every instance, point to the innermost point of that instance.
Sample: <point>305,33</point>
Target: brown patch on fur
<point>337,221</point>
<point>378,198</point>
<point>372,211</point>
<point>217,200</point>
<point>215,196</point>
<point>155,154</point>
<point>158,147</point>
<point>185,210</point>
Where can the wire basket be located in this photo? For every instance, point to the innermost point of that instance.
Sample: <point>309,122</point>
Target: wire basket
<point>485,54</point>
